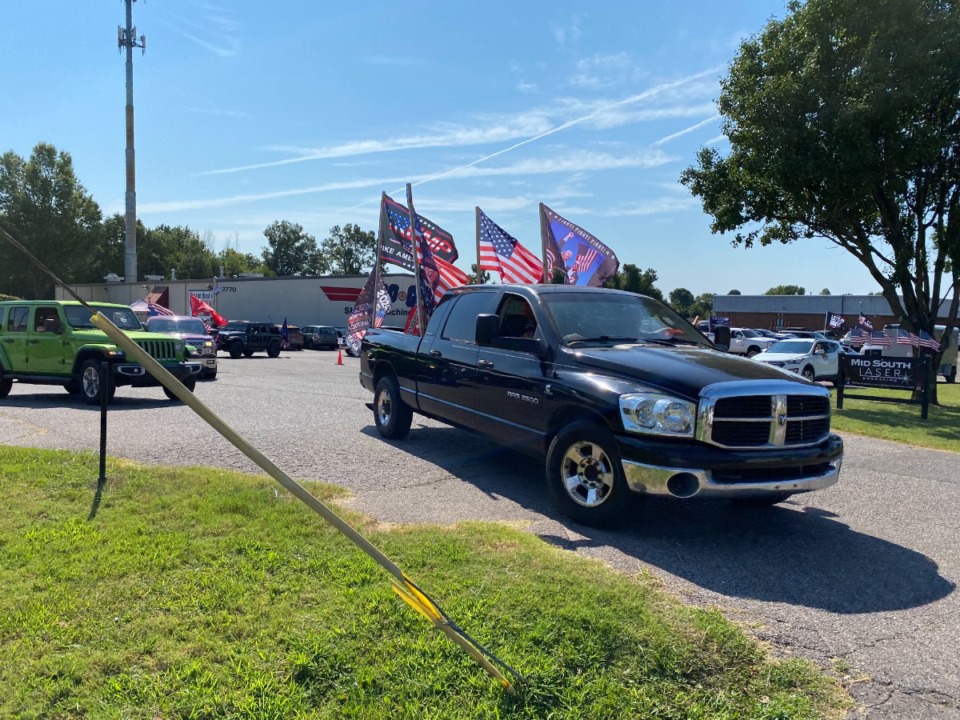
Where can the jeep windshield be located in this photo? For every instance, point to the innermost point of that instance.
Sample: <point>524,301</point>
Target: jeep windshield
<point>124,318</point>
<point>614,318</point>
<point>185,326</point>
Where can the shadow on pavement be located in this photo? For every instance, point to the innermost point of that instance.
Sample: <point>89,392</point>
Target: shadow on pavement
<point>795,552</point>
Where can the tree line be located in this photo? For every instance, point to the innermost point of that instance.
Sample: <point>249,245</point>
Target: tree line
<point>47,209</point>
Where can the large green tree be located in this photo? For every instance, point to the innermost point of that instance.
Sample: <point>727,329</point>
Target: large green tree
<point>348,251</point>
<point>786,290</point>
<point>844,124</point>
<point>44,206</point>
<point>291,250</point>
<point>682,301</point>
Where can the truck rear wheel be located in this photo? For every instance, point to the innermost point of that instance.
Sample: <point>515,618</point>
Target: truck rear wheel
<point>585,477</point>
<point>92,383</point>
<point>273,350</point>
<point>392,416</point>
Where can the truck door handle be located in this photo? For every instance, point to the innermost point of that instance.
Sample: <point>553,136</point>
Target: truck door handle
<point>33,341</point>
<point>436,353</point>
<point>485,364</point>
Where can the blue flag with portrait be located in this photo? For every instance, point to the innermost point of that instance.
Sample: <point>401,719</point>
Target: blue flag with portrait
<point>582,258</point>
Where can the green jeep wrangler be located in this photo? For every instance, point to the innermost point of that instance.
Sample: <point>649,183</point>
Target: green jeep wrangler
<point>53,342</point>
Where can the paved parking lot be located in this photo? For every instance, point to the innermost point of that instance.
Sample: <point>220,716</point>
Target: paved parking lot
<point>862,575</point>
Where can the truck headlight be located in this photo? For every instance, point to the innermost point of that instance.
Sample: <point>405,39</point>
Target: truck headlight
<point>657,414</point>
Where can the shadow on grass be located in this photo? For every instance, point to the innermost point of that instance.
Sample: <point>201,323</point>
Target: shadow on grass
<point>794,553</point>
<point>943,421</point>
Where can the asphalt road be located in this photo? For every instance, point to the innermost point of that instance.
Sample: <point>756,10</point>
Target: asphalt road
<point>861,575</point>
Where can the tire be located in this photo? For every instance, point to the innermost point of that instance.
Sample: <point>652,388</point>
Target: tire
<point>809,374</point>
<point>761,501</point>
<point>248,353</point>
<point>72,387</point>
<point>391,415</point>
<point>273,350</point>
<point>210,375</point>
<point>753,351</point>
<point>235,349</point>
<point>951,378</point>
<point>190,384</point>
<point>5,386</point>
<point>92,384</point>
<point>585,477</point>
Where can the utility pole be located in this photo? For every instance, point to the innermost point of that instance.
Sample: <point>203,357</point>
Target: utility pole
<point>127,38</point>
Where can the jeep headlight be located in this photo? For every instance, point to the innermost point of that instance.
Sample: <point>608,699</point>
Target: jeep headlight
<point>657,414</point>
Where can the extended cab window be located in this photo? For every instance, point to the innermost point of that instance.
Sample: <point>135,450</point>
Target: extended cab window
<point>516,318</point>
<point>462,321</point>
<point>17,319</point>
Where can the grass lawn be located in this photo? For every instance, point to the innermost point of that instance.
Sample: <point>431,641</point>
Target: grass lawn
<point>902,423</point>
<point>197,593</point>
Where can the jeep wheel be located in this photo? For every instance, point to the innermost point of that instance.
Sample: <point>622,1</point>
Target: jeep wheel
<point>235,349</point>
<point>72,387</point>
<point>248,353</point>
<point>809,374</point>
<point>391,414</point>
<point>92,383</point>
<point>273,350</point>
<point>585,477</point>
<point>190,384</point>
<point>5,386</point>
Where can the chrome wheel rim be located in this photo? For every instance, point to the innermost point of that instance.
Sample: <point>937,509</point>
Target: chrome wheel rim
<point>808,374</point>
<point>587,474</point>
<point>91,382</point>
<point>384,408</point>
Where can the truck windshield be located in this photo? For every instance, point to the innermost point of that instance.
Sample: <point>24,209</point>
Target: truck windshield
<point>193,326</point>
<point>124,318</point>
<point>617,318</point>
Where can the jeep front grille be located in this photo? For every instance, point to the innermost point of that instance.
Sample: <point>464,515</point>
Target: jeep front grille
<point>160,349</point>
<point>764,414</point>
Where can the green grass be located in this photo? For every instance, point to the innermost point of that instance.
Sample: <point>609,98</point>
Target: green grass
<point>902,423</point>
<point>196,593</point>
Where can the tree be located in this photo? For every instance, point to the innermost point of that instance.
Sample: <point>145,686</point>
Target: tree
<point>633,279</point>
<point>235,262</point>
<point>844,124</point>
<point>44,206</point>
<point>734,292</point>
<point>703,305</point>
<point>290,250</point>
<point>349,251</point>
<point>682,301</point>
<point>166,249</point>
<point>484,276</point>
<point>825,291</point>
<point>786,290</point>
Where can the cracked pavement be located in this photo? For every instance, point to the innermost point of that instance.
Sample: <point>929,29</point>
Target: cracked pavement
<point>859,578</point>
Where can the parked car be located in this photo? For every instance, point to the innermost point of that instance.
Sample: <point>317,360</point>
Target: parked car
<point>193,332</point>
<point>772,334</point>
<point>320,337</point>
<point>809,334</point>
<point>242,338</point>
<point>295,339</point>
<point>744,341</point>
<point>54,342</point>
<point>813,359</point>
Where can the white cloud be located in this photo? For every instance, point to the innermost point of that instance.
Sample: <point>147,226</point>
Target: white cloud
<point>656,206</point>
<point>685,131</point>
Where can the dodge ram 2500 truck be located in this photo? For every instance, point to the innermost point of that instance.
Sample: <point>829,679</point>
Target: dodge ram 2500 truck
<point>616,392</point>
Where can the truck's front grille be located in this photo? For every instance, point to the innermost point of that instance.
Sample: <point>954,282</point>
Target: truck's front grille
<point>789,415</point>
<point>159,349</point>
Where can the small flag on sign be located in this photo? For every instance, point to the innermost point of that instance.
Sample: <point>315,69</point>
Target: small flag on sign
<point>926,341</point>
<point>905,337</point>
<point>879,337</point>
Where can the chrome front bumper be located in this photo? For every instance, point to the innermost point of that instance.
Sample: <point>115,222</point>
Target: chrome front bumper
<point>686,483</point>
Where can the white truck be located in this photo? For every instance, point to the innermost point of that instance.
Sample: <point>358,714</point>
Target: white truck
<point>744,341</point>
<point>948,363</point>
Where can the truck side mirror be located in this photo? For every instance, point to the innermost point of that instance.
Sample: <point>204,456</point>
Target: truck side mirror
<point>487,328</point>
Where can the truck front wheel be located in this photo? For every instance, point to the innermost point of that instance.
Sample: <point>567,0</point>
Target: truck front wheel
<point>236,349</point>
<point>753,351</point>
<point>273,350</point>
<point>392,416</point>
<point>585,477</point>
<point>92,383</point>
<point>190,384</point>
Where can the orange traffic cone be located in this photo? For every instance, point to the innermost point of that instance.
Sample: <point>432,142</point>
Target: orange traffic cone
<point>339,356</point>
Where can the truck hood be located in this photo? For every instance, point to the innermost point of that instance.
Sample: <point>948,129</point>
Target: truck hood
<point>98,337</point>
<point>680,371</point>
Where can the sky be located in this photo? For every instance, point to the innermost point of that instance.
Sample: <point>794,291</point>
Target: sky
<point>249,112</point>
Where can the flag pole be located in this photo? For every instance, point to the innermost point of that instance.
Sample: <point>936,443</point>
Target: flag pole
<point>544,228</point>
<point>479,269</point>
<point>376,259</point>
<point>416,259</point>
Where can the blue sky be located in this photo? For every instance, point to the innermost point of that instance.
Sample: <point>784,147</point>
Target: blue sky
<point>249,112</point>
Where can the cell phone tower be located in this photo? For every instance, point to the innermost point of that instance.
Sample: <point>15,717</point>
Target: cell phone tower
<point>127,38</point>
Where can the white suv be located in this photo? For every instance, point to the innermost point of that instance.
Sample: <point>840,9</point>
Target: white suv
<point>814,359</point>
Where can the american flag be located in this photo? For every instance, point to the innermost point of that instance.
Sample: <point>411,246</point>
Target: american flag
<point>905,337</point>
<point>450,277</point>
<point>503,254</point>
<point>856,334</point>
<point>864,322</point>
<point>154,310</point>
<point>879,337</point>
<point>926,341</point>
<point>585,260</point>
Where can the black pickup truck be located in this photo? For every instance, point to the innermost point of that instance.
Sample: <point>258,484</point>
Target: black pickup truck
<point>619,394</point>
